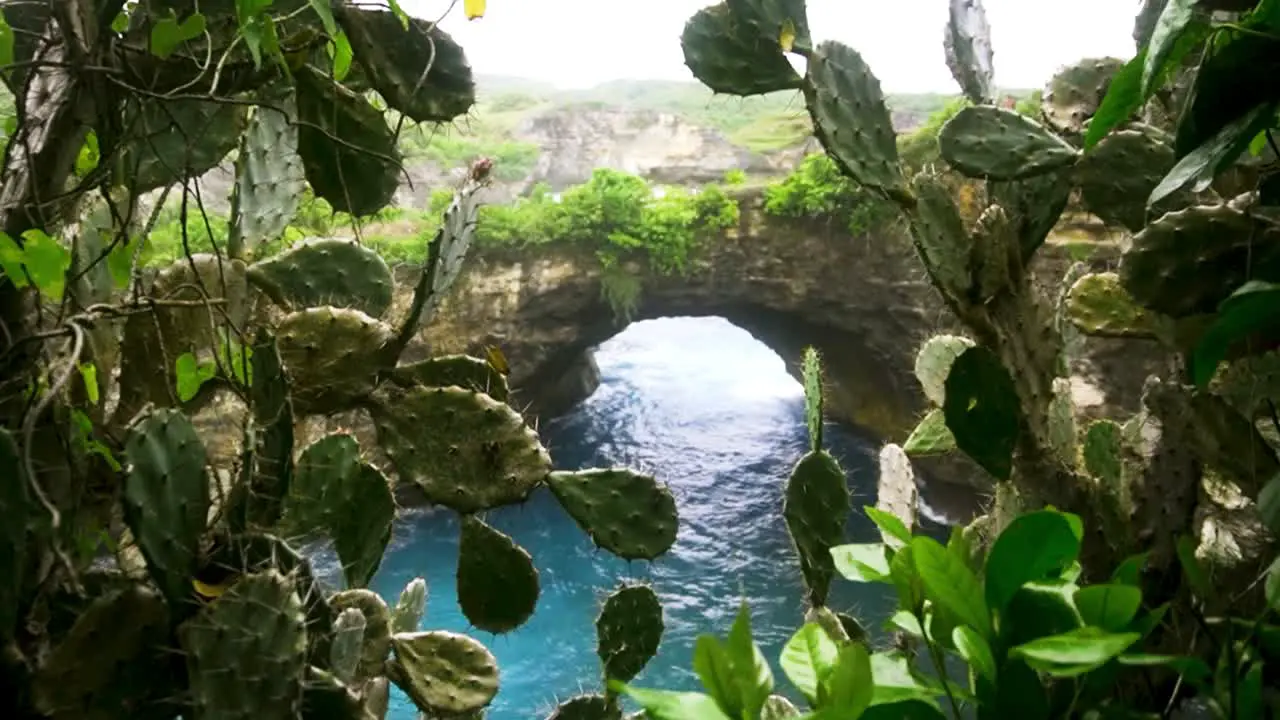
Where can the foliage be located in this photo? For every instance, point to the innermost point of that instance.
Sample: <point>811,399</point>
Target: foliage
<point>816,189</point>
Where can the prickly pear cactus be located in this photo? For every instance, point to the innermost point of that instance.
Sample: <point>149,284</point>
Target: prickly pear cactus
<point>992,143</point>
<point>587,707</point>
<point>327,271</point>
<point>409,608</point>
<point>815,508</point>
<point>166,498</point>
<point>269,175</point>
<point>497,582</point>
<point>332,356</point>
<point>465,450</point>
<point>933,364</point>
<point>246,651</point>
<point>627,513</point>
<point>348,643</point>
<point>628,631</point>
<point>444,673</point>
<point>896,491</point>
<point>377,628</point>
<point>461,371</point>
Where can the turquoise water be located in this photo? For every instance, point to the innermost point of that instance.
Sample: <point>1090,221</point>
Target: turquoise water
<point>707,409</point>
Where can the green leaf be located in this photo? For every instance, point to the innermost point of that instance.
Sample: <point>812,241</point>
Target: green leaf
<point>1192,568</point>
<point>168,33</point>
<point>120,24</point>
<point>190,376</point>
<point>1129,572</point>
<point>846,691</point>
<point>902,571</point>
<point>982,410</point>
<point>87,160</point>
<point>975,651</point>
<point>120,263</point>
<point>46,261</point>
<point>1110,607</point>
<point>1075,652</point>
<point>325,12</point>
<point>905,621</point>
<point>931,436</point>
<point>1200,165</point>
<point>864,562</point>
<point>1175,18</point>
<point>6,42</point>
<point>892,529</point>
<point>1254,307</point>
<point>1273,585</point>
<point>342,56</point>
<point>896,681</point>
<point>751,673</point>
<point>1192,669</point>
<point>399,13</point>
<point>667,705</point>
<point>1269,504</point>
<point>950,584</point>
<point>711,663</point>
<point>807,657</point>
<point>1123,98</point>
<point>1033,547</point>
<point>913,709</point>
<point>11,256</point>
<point>89,375</point>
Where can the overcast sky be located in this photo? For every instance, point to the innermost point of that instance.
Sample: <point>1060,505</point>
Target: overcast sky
<point>579,43</point>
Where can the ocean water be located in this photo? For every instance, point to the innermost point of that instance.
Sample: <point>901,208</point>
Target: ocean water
<point>706,408</point>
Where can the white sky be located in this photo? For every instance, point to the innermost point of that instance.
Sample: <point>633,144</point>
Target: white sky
<point>579,43</point>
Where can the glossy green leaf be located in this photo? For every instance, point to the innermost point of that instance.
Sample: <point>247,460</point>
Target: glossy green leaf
<point>399,12</point>
<point>807,657</point>
<point>905,578</point>
<point>1035,546</point>
<point>862,562</point>
<point>1110,607</point>
<point>167,34</point>
<point>667,705</point>
<point>950,584</point>
<point>892,529</point>
<point>1129,572</point>
<point>1199,166</point>
<point>325,11</point>
<point>1175,18</point>
<point>1192,569</point>
<point>1269,504</point>
<point>751,673</point>
<point>120,263</point>
<point>1192,669</point>
<point>11,261</point>
<point>847,689</point>
<point>189,375</point>
<point>1123,99</point>
<point>1254,307</point>
<point>1272,586</point>
<point>6,42</point>
<point>46,261</point>
<point>896,680</point>
<point>342,56</point>
<point>903,710</point>
<point>975,651</point>
<point>982,410</point>
<point>1075,652</point>
<point>711,663</point>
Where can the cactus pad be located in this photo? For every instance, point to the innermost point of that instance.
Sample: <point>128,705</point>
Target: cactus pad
<point>246,651</point>
<point>166,498</point>
<point>931,436</point>
<point>1117,176</point>
<point>982,410</point>
<point>269,176</point>
<point>408,611</point>
<point>812,374</point>
<point>1102,452</point>
<point>933,364</point>
<point>16,509</point>
<point>420,70</point>
<point>454,370</point>
<point>348,643</point>
<point>815,508</point>
<point>968,49</point>
<point>153,341</point>
<point>465,450</point>
<point>444,673</point>
<point>377,628</point>
<point>325,696</point>
<point>258,501</point>
<point>1061,421</point>
<point>322,468</point>
<point>327,271</point>
<point>629,514</point>
<point>728,56</point>
<point>850,117</point>
<point>172,140</point>
<point>1074,94</point>
<point>360,522</point>
<point>114,655</point>
<point>1098,304</point>
<point>1189,261</point>
<point>830,623</point>
<point>332,357</point>
<point>586,707</point>
<point>939,235</point>
<point>896,491</point>
<point>995,260</point>
<point>628,631</point>
<point>358,174</point>
<point>993,143</point>
<point>497,581</point>
<point>1034,204</point>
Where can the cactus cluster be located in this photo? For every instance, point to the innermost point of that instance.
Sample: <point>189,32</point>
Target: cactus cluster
<point>1002,395</point>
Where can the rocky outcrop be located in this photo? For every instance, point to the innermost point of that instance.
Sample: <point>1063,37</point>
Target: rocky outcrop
<point>662,147</point>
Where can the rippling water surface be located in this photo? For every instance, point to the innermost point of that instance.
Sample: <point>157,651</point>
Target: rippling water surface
<point>707,409</point>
